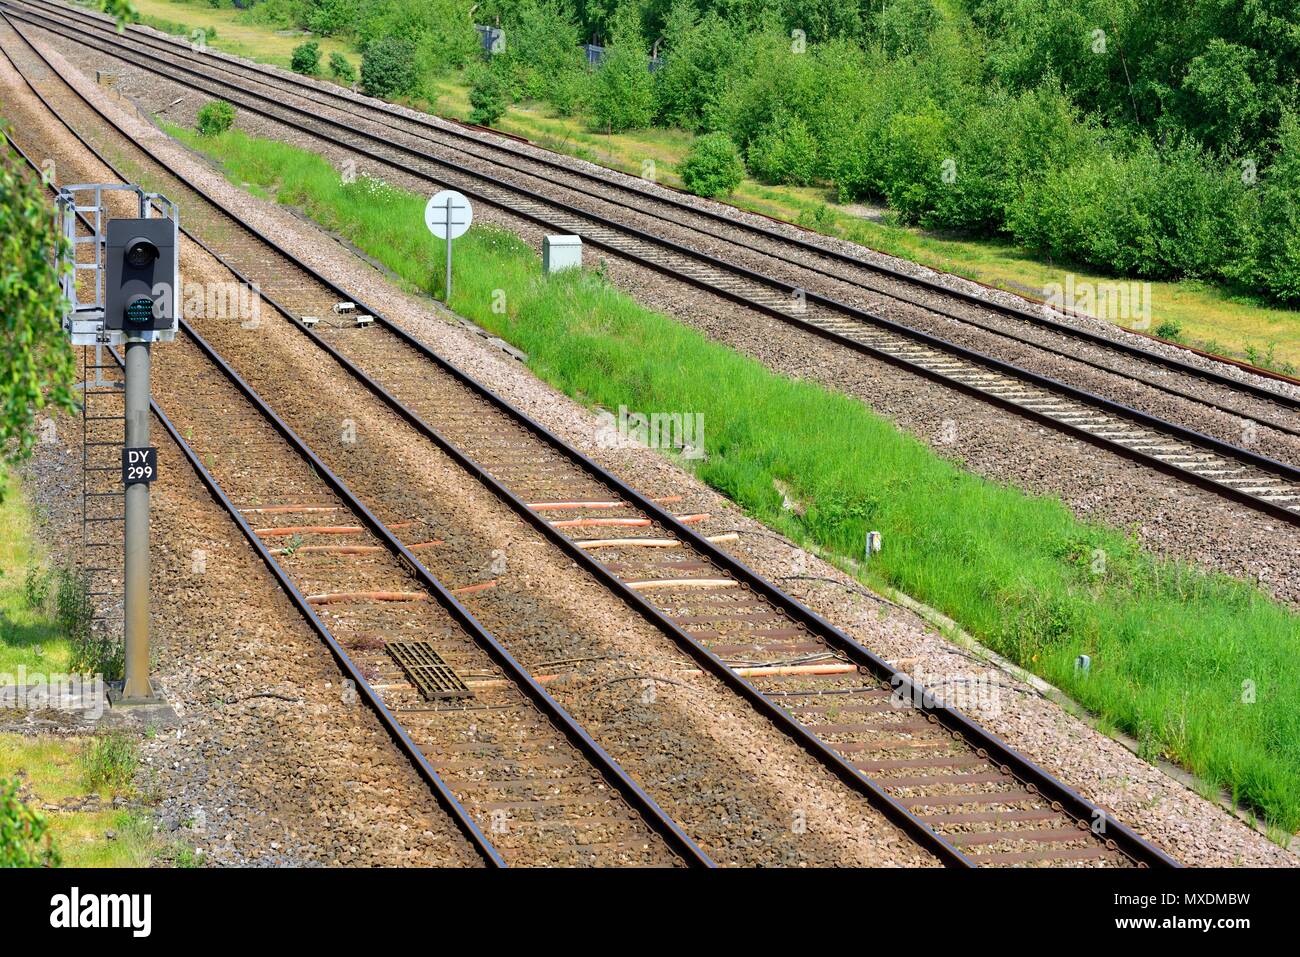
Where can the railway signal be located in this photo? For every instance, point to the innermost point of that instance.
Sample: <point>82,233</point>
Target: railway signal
<point>448,215</point>
<point>141,282</point>
<point>121,282</point>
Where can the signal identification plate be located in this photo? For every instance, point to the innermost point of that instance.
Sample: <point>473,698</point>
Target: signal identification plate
<point>139,465</point>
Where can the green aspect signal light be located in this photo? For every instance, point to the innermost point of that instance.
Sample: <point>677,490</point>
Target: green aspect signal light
<point>139,311</point>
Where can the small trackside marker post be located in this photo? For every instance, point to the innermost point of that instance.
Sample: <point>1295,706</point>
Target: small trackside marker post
<point>448,215</point>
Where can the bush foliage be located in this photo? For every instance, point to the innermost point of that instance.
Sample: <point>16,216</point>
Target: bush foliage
<point>713,166</point>
<point>24,837</point>
<point>341,68</point>
<point>388,67</point>
<point>214,117</point>
<point>37,369</point>
<point>306,58</point>
<point>488,96</point>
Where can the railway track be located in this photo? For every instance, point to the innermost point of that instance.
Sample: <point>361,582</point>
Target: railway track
<point>522,779</point>
<point>952,786</point>
<point>1265,484</point>
<point>469,140</point>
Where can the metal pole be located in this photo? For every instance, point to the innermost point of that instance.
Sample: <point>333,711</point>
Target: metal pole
<point>447,300</point>
<point>137,686</point>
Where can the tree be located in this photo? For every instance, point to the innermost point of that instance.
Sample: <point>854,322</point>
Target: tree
<point>388,67</point>
<point>624,93</point>
<point>306,58</point>
<point>37,366</point>
<point>488,96</point>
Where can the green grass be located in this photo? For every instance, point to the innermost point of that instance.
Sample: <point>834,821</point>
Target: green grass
<point>1200,668</point>
<point>29,637</point>
<point>53,771</point>
<point>237,32</point>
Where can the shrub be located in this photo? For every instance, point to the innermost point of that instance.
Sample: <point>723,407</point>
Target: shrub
<point>1151,213</point>
<point>24,837</point>
<point>1170,329</point>
<point>488,96</point>
<point>306,58</point>
<point>855,144</point>
<point>341,68</point>
<point>697,54</point>
<point>542,51</point>
<point>215,117</point>
<point>388,67</point>
<point>784,152</point>
<point>918,161</point>
<point>905,26</point>
<point>330,16</point>
<point>571,92</point>
<point>439,34</point>
<point>995,145</point>
<point>713,166</point>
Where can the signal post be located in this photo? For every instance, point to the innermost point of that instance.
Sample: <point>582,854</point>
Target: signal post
<point>135,303</point>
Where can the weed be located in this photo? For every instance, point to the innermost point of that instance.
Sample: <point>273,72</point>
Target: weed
<point>36,586</point>
<point>109,763</point>
<point>1170,329</point>
<point>92,650</point>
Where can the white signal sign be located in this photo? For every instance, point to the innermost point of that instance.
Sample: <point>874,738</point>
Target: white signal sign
<point>448,213</point>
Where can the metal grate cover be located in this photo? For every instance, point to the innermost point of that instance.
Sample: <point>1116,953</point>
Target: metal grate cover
<point>432,677</point>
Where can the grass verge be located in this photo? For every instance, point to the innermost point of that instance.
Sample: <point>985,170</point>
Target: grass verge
<point>85,828</point>
<point>1199,667</point>
<point>1192,312</point>
<point>29,638</point>
<point>69,783</point>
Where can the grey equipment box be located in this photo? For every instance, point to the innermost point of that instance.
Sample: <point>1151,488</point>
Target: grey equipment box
<point>561,252</point>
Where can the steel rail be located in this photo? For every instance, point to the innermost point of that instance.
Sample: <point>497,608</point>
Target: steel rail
<point>372,105</point>
<point>647,808</point>
<point>1080,808</point>
<point>1161,426</point>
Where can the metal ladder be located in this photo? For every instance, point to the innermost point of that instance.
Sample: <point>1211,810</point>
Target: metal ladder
<point>103,497</point>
